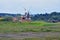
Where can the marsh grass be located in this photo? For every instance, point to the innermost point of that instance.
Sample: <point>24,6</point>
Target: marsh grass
<point>37,26</point>
<point>45,38</point>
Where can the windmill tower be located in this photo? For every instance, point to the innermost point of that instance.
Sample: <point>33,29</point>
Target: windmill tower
<point>26,17</point>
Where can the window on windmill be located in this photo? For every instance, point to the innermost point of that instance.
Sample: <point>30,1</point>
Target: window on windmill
<point>23,18</point>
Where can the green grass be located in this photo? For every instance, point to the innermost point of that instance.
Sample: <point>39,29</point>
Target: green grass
<point>36,26</point>
<point>45,38</point>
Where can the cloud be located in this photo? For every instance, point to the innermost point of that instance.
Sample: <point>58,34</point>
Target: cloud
<point>34,5</point>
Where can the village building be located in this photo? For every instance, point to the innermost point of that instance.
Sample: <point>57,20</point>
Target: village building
<point>14,19</point>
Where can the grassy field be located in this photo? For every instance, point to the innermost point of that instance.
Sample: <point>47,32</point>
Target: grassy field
<point>46,38</point>
<point>36,26</point>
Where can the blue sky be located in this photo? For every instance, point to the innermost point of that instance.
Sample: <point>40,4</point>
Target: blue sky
<point>34,6</point>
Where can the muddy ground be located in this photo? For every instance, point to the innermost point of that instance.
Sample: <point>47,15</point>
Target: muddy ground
<point>30,35</point>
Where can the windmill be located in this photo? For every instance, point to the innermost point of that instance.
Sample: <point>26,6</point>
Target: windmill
<point>27,14</point>
<point>25,17</point>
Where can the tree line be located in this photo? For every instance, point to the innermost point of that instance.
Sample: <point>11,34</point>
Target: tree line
<point>48,17</point>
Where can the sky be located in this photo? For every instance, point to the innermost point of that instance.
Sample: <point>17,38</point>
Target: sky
<point>33,6</point>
